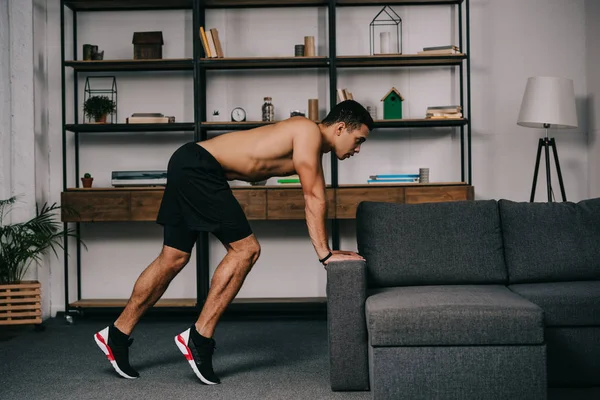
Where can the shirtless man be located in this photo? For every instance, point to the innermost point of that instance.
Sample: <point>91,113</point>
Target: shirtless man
<point>198,198</point>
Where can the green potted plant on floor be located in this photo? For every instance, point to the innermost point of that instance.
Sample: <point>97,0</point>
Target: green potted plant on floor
<point>21,245</point>
<point>98,107</point>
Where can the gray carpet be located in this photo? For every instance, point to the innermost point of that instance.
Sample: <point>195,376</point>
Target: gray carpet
<point>255,359</point>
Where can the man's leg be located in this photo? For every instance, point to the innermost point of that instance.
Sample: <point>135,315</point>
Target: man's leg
<point>150,286</point>
<point>114,340</point>
<point>196,343</point>
<point>227,281</point>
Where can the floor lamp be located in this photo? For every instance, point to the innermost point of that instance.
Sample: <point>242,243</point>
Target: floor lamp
<point>548,102</point>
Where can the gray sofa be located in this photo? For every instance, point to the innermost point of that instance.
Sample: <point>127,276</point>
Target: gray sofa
<point>468,300</point>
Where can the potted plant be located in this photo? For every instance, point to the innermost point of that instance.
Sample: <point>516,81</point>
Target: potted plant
<point>21,244</point>
<point>87,180</point>
<point>98,107</point>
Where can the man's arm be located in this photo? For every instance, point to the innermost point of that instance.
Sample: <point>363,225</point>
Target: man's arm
<point>307,162</point>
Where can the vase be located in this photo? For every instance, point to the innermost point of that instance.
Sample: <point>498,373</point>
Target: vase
<point>87,182</point>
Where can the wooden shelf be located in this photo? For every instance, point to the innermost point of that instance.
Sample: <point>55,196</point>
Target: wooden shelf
<point>388,123</point>
<point>264,62</point>
<point>396,2</point>
<point>90,128</point>
<point>400,60</point>
<point>128,5</point>
<point>173,64</point>
<point>191,303</point>
<point>258,202</point>
<point>261,3</point>
<point>110,303</point>
<point>232,126</point>
<point>419,123</point>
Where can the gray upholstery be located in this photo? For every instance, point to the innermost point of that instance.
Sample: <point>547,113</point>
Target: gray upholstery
<point>573,356</point>
<point>550,242</point>
<point>431,244</point>
<point>468,300</point>
<point>452,315</point>
<point>346,294</point>
<point>565,303</point>
<point>459,372</point>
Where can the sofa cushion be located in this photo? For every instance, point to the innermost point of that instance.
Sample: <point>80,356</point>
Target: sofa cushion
<point>452,315</point>
<point>431,243</point>
<point>565,303</point>
<point>551,242</point>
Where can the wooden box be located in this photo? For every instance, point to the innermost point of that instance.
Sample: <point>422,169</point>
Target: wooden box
<point>20,303</point>
<point>147,45</point>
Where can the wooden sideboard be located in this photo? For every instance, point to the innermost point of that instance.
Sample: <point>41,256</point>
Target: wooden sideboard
<point>259,202</point>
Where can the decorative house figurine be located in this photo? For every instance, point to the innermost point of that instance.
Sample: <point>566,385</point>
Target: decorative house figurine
<point>392,104</point>
<point>147,45</point>
<point>387,27</point>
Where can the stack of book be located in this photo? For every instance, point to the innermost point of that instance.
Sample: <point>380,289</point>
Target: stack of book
<point>211,43</point>
<point>440,50</point>
<point>393,178</point>
<point>344,94</point>
<point>444,112</point>
<point>149,118</point>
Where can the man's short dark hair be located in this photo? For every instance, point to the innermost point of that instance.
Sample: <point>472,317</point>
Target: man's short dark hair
<point>350,112</point>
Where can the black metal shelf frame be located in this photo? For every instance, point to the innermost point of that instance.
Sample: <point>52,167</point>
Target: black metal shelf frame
<point>199,67</point>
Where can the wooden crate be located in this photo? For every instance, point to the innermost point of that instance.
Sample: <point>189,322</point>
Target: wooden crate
<point>20,303</point>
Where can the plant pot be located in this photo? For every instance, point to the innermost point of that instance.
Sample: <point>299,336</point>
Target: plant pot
<point>20,303</point>
<point>87,182</point>
<point>101,120</point>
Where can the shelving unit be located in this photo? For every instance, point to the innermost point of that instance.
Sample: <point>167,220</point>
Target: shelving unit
<point>262,202</point>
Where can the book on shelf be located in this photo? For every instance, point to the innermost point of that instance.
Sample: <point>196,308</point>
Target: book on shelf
<point>344,94</point>
<point>440,50</point>
<point>149,118</point>
<point>289,179</point>
<point>444,112</point>
<point>388,181</point>
<point>391,178</point>
<point>211,43</point>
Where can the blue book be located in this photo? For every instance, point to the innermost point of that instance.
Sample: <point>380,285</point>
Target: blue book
<point>394,176</point>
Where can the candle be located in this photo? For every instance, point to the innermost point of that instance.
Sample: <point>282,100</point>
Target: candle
<point>384,38</point>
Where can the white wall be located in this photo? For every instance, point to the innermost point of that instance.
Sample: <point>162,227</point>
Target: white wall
<point>24,135</point>
<point>511,40</point>
<point>592,14</point>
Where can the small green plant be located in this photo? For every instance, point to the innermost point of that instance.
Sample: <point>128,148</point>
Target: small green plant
<point>98,106</point>
<point>25,242</point>
<point>87,175</point>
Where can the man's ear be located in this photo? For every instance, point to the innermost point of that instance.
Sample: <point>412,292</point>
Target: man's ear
<point>340,128</point>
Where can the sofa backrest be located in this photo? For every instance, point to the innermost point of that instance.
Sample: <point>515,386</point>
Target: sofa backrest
<point>547,242</point>
<point>431,243</point>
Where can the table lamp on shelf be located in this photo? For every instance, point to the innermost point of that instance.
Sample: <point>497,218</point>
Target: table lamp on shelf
<point>548,102</point>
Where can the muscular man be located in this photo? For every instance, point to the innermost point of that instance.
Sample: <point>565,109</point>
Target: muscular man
<point>198,198</point>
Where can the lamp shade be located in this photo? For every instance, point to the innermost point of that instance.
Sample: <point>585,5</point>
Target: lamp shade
<point>548,100</point>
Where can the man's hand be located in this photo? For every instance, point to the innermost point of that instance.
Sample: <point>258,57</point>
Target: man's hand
<point>341,255</point>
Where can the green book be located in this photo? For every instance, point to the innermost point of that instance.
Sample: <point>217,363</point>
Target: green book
<point>288,180</point>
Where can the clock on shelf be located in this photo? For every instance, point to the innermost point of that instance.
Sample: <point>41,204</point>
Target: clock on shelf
<point>238,114</point>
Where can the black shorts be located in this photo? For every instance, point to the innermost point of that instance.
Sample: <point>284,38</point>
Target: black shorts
<point>198,198</point>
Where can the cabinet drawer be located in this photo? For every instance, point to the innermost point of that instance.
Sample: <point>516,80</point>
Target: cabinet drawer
<point>348,199</point>
<point>289,204</point>
<point>434,194</point>
<point>253,202</point>
<point>95,206</point>
<point>145,205</point>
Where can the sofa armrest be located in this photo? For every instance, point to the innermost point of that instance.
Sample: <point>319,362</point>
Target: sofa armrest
<point>346,325</point>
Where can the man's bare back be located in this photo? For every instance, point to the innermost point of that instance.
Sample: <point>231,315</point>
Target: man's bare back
<point>263,152</point>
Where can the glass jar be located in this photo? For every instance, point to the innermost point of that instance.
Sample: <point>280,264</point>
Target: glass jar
<point>268,110</point>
